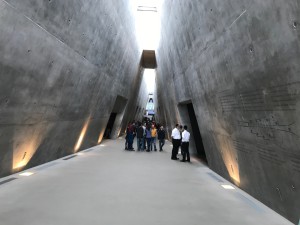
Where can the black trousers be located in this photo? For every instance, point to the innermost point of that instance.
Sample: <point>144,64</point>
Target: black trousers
<point>185,151</point>
<point>176,144</point>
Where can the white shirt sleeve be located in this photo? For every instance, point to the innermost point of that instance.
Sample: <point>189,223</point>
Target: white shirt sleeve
<point>173,133</point>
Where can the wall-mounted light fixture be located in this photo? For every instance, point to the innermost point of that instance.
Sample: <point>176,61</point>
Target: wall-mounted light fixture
<point>228,187</point>
<point>26,174</point>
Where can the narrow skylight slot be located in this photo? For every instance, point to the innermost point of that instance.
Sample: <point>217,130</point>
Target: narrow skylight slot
<point>147,18</point>
<point>147,8</point>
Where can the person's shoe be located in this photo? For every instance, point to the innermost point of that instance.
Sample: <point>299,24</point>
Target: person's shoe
<point>155,150</point>
<point>174,158</point>
<point>182,160</point>
<point>188,160</point>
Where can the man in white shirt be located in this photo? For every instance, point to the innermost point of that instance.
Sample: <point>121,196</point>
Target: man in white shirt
<point>185,145</point>
<point>176,142</point>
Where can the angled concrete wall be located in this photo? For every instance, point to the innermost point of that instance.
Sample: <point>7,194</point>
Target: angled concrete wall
<point>62,66</point>
<point>238,63</point>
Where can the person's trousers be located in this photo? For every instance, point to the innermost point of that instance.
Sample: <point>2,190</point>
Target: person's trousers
<point>185,151</point>
<point>130,141</point>
<point>161,144</point>
<point>140,144</point>
<point>153,143</point>
<point>176,144</point>
<point>148,143</point>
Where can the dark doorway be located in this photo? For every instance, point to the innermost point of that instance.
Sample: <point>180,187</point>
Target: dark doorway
<point>196,132</point>
<point>114,122</point>
<point>110,125</point>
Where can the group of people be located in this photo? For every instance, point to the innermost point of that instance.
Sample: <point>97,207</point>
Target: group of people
<point>146,135</point>
<point>180,137</point>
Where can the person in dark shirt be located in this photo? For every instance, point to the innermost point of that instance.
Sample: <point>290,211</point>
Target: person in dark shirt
<point>161,135</point>
<point>140,137</point>
<point>130,137</point>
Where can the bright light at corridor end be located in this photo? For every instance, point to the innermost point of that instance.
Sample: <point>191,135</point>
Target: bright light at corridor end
<point>147,22</point>
<point>149,75</point>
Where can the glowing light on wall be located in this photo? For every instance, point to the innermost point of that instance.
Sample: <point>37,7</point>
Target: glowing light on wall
<point>119,132</point>
<point>229,157</point>
<point>82,134</point>
<point>23,152</point>
<point>26,142</point>
<point>101,136</point>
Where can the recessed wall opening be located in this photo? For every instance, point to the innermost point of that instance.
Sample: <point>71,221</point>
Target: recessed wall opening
<point>116,114</point>
<point>196,132</point>
<point>110,125</point>
<point>188,117</point>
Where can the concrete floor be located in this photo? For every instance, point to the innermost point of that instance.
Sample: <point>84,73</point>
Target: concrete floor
<point>111,186</point>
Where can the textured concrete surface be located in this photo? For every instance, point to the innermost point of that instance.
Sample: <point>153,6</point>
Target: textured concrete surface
<point>64,63</point>
<point>238,62</point>
<point>113,186</point>
<point>62,66</point>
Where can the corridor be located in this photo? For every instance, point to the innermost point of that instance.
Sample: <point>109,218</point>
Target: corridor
<point>107,185</point>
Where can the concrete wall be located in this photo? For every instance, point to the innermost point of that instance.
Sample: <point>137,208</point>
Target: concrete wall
<point>238,62</point>
<point>62,65</point>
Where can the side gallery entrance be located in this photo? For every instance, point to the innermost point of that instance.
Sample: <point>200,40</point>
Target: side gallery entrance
<point>115,118</point>
<point>188,117</point>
